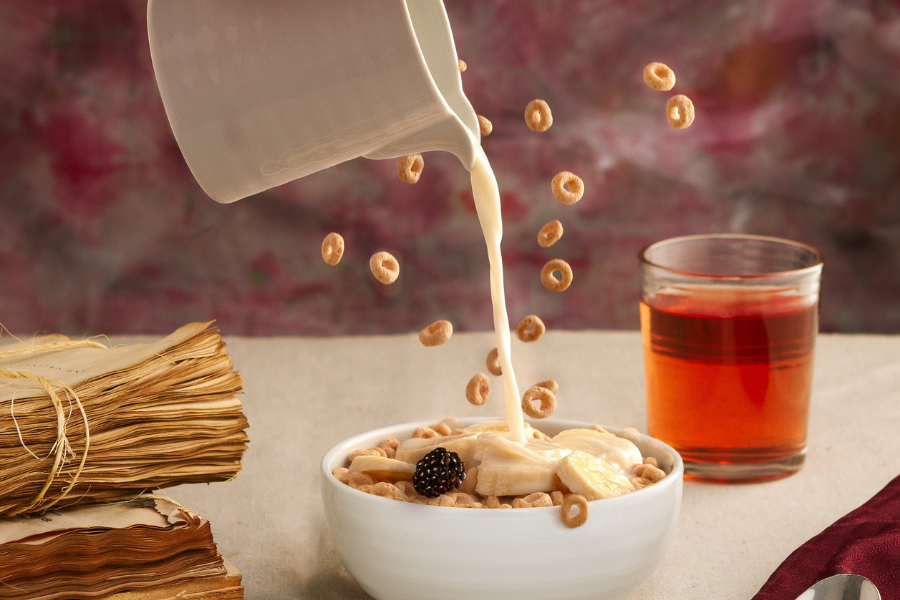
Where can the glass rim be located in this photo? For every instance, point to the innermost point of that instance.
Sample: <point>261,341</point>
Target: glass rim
<point>816,266</point>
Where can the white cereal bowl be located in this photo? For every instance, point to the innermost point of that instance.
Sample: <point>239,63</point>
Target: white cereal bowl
<point>397,550</point>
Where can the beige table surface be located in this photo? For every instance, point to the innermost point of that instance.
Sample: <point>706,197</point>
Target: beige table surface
<point>304,395</point>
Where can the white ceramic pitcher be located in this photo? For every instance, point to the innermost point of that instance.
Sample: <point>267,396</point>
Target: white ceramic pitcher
<point>261,92</point>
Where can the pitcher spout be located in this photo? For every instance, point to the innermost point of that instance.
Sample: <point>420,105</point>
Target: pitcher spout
<point>458,132</point>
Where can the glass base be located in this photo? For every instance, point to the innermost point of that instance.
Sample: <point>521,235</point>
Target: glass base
<point>726,470</point>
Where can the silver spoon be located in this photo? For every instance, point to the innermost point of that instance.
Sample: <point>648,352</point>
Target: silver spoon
<point>842,587</point>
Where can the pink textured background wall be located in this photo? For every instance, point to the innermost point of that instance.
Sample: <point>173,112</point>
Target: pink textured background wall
<point>103,229</point>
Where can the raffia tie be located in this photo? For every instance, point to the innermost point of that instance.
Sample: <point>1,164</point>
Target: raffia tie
<point>61,448</point>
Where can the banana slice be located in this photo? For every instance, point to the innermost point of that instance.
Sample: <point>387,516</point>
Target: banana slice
<point>592,477</point>
<point>414,449</point>
<point>380,467</point>
<point>511,477</point>
<point>508,468</point>
<point>495,445</point>
<point>614,450</point>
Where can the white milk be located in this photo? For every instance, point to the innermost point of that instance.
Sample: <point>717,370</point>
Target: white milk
<point>487,203</point>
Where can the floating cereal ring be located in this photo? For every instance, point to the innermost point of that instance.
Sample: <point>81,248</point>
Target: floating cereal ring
<point>550,234</point>
<point>530,328</point>
<point>478,389</point>
<point>548,277</point>
<point>550,384</point>
<point>546,398</point>
<point>436,334</point>
<point>485,126</point>
<point>333,248</point>
<point>493,363</point>
<point>538,116</point>
<point>409,168</point>
<point>384,267</point>
<point>462,66</point>
<point>680,111</point>
<point>568,188</point>
<point>565,510</point>
<point>659,77</point>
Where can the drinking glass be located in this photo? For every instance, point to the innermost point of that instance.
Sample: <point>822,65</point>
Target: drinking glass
<point>729,327</point>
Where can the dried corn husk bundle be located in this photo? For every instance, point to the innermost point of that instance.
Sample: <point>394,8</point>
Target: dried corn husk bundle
<point>119,422</point>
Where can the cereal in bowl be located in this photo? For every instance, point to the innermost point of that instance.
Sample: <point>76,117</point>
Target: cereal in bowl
<point>480,466</point>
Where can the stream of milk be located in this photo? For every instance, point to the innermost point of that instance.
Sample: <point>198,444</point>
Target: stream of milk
<point>487,204</point>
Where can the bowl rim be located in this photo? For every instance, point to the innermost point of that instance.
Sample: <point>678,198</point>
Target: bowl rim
<point>658,488</point>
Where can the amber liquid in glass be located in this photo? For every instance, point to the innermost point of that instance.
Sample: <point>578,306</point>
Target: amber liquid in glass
<point>730,389</point>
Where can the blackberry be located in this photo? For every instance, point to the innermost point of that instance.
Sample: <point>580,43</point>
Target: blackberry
<point>438,472</point>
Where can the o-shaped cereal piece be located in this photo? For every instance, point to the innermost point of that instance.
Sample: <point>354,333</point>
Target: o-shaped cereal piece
<point>530,328</point>
<point>409,168</point>
<point>462,66</point>
<point>341,474</point>
<point>425,432</point>
<point>550,384</point>
<point>550,234</point>
<point>538,499</point>
<point>333,248</point>
<point>649,472</point>
<point>436,334</point>
<point>565,510</point>
<point>545,397</point>
<point>384,267</point>
<point>486,126</point>
<point>680,111</point>
<point>548,276</point>
<point>659,77</point>
<point>538,116</point>
<point>478,389</point>
<point>493,363</point>
<point>440,428</point>
<point>568,188</point>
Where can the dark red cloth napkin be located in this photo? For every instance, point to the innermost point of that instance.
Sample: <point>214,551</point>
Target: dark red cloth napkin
<point>865,542</point>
